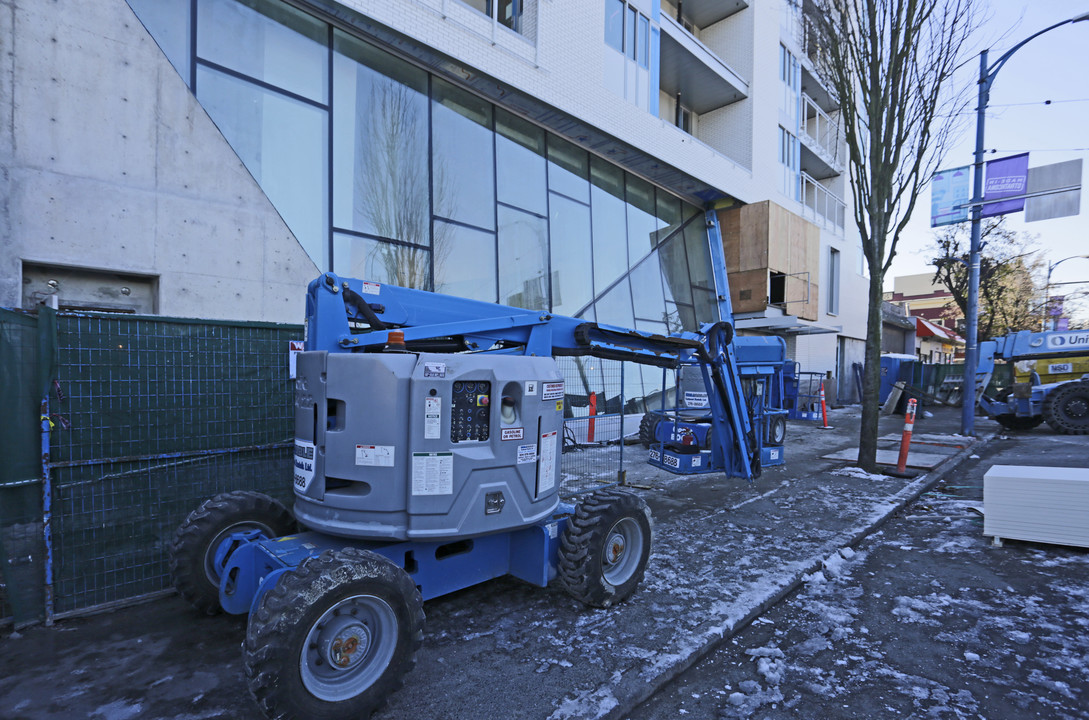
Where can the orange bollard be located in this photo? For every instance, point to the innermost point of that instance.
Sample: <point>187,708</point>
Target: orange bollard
<point>824,409</point>
<point>905,441</point>
<point>593,411</point>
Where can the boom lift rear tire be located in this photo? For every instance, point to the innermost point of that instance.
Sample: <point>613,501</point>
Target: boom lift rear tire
<point>605,548</point>
<point>192,551</point>
<point>648,426</point>
<point>334,638</point>
<point>1066,408</point>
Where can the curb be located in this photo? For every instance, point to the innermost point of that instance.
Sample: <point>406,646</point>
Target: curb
<point>906,496</point>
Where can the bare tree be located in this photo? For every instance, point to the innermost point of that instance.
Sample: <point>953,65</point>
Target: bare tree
<point>891,63</point>
<point>1008,297</point>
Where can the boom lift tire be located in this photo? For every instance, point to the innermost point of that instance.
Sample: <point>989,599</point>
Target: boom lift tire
<point>334,637</point>
<point>192,552</point>
<point>648,426</point>
<point>1066,408</point>
<point>605,548</point>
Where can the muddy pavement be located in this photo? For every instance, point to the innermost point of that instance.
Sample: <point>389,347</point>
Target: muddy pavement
<point>923,619</point>
<point>724,552</point>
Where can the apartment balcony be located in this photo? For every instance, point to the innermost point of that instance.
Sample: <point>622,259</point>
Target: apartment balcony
<point>823,148</point>
<point>821,206</point>
<point>690,69</point>
<point>705,13</point>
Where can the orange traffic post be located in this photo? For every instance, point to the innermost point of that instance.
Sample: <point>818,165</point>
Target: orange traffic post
<point>905,440</point>
<point>593,412</point>
<point>824,410</point>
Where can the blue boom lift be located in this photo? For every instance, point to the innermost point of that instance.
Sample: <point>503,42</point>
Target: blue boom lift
<point>1064,405</point>
<point>428,431</point>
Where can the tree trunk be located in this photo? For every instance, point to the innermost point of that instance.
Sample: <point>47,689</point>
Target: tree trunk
<point>871,377</point>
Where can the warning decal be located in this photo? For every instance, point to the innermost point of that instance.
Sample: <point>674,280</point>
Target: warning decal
<point>552,391</point>
<point>547,466</point>
<point>374,455</point>
<point>433,473</point>
<point>432,418</point>
<point>512,433</point>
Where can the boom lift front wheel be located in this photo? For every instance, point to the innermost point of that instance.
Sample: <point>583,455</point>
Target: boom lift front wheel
<point>193,568</point>
<point>334,637</point>
<point>605,547</point>
<point>1066,408</point>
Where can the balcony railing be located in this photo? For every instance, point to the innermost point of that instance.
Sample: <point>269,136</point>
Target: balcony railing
<point>822,132</point>
<point>821,206</point>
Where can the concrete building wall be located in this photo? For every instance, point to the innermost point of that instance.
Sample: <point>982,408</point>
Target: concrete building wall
<point>109,163</point>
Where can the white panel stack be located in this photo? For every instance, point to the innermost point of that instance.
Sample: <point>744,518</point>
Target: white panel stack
<point>1040,504</point>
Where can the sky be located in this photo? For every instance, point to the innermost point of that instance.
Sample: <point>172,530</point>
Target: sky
<point>1055,67</point>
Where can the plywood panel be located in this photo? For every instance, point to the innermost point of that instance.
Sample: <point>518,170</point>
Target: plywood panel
<point>730,224</point>
<point>749,290</point>
<point>754,237</point>
<point>778,238</point>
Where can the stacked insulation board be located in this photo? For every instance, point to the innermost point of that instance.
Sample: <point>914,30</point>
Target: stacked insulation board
<point>1039,504</point>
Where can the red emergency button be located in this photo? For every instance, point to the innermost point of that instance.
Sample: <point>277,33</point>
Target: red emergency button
<point>482,400</point>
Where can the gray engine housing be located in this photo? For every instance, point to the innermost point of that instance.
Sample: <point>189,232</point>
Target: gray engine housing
<point>417,446</point>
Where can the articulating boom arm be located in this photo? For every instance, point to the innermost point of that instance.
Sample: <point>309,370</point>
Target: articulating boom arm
<point>349,315</point>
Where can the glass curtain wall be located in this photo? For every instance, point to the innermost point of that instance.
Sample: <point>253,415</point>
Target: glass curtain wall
<point>386,172</point>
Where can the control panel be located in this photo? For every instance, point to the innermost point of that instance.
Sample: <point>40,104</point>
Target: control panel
<point>470,418</point>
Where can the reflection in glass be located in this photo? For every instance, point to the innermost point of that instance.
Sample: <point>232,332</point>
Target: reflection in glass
<point>706,307</point>
<point>380,181</point>
<point>668,211</point>
<point>519,147</point>
<point>646,282</point>
<point>267,40</point>
<point>283,143</point>
<point>168,23</point>
<point>568,169</point>
<point>523,259</point>
<point>609,223</point>
<point>463,157</point>
<point>464,262</point>
<point>699,254</point>
<point>381,262</point>
<point>572,264</point>
<point>674,263</point>
<point>642,223</point>
<point>614,24</point>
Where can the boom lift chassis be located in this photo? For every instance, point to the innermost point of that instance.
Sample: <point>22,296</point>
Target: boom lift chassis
<point>462,488</point>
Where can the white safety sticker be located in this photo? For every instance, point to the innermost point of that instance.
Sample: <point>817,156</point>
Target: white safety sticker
<point>433,473</point>
<point>697,461</point>
<point>435,369</point>
<point>526,454</point>
<point>531,387</point>
<point>695,399</point>
<point>552,391</point>
<point>553,530</point>
<point>371,288</point>
<point>294,347</point>
<point>374,455</point>
<point>547,462</point>
<point>432,418</point>
<point>773,454</point>
<point>304,465</point>
<point>512,433</point>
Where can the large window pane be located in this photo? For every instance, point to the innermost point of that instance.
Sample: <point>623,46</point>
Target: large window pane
<point>699,255</point>
<point>380,173</point>
<point>609,223</point>
<point>568,169</point>
<point>646,279</point>
<point>284,145</point>
<point>168,23</point>
<point>464,262</point>
<point>381,262</point>
<point>614,24</point>
<point>523,259</point>
<point>668,212</point>
<point>463,158</point>
<point>520,162</point>
<point>267,40</point>
<point>642,222</point>
<point>672,256</point>
<point>572,264</point>
<point>615,307</point>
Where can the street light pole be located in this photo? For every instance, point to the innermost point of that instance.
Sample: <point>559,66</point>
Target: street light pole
<point>1045,320</point>
<point>971,344</point>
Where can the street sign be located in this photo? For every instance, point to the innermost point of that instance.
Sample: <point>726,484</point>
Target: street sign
<point>1006,177</point>
<point>1062,182</point>
<point>949,195</point>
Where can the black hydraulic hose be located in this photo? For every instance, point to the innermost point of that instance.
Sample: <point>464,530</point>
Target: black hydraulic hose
<point>351,297</point>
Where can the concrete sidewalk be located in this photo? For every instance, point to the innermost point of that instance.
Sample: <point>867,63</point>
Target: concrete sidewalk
<point>724,551</point>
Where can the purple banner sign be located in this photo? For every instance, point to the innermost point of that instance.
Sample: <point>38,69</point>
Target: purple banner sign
<point>1006,177</point>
